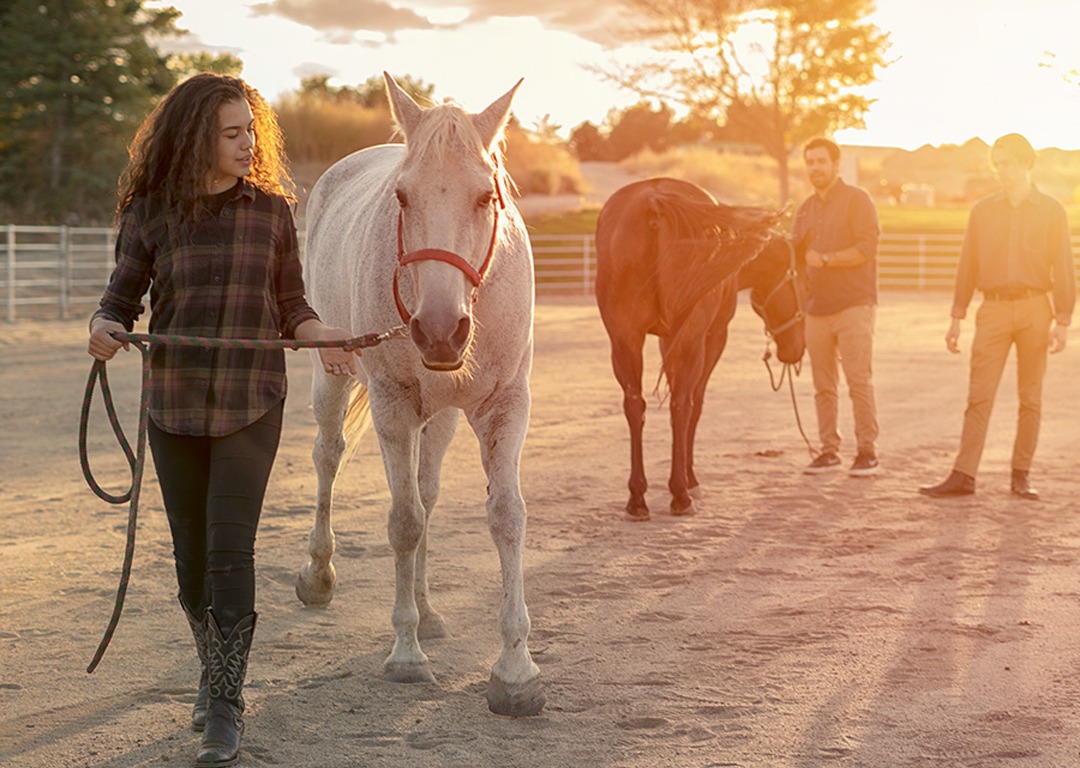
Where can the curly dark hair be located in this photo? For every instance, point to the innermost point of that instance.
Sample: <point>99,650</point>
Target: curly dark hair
<point>175,148</point>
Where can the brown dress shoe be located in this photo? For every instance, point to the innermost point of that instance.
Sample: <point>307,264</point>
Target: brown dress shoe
<point>956,484</point>
<point>1022,487</point>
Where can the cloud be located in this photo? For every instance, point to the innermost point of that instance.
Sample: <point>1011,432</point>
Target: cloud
<point>591,20</point>
<point>583,18</point>
<point>335,17</point>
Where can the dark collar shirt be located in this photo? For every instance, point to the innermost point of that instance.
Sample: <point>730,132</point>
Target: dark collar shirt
<point>234,273</point>
<point>1010,248</point>
<point>844,218</point>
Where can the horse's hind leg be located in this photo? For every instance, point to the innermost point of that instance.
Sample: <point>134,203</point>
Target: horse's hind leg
<point>683,363</point>
<point>434,440</point>
<point>627,362</point>
<point>514,688</point>
<point>330,397</point>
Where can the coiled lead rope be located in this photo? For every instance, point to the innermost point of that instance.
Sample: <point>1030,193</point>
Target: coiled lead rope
<point>137,459</point>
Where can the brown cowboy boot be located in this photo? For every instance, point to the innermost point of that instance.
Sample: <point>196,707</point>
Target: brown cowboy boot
<point>198,631</point>
<point>956,484</point>
<point>227,662</point>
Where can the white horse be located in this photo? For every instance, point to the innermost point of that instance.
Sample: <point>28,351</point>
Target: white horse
<point>424,233</point>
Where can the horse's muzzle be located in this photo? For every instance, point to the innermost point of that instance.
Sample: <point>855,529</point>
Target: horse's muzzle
<point>442,346</point>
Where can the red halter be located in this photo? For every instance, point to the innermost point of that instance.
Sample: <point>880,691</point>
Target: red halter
<point>437,254</point>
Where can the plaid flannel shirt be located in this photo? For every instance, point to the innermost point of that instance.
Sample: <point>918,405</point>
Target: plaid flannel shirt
<point>234,275</point>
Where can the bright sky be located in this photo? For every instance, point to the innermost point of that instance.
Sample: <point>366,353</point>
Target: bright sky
<point>962,68</point>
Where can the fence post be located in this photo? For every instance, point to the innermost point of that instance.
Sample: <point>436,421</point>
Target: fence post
<point>586,271</point>
<point>64,258</point>
<point>922,262</point>
<point>11,273</point>
<point>110,253</point>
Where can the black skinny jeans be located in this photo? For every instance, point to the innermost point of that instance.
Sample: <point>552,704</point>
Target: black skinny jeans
<point>213,490</point>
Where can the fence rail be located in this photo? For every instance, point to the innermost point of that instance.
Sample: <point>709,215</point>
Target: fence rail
<point>61,271</point>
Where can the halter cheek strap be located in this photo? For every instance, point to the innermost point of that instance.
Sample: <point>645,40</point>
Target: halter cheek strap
<point>475,276</point>
<point>790,278</point>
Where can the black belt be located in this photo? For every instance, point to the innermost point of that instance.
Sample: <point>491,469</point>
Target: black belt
<point>1012,294</point>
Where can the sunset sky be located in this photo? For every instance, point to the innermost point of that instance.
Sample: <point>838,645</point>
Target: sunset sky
<point>962,68</point>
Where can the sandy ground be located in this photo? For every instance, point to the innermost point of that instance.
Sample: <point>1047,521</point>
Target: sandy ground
<point>795,621</point>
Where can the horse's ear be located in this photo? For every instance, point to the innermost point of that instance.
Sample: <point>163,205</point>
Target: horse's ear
<point>406,112</point>
<point>490,123</point>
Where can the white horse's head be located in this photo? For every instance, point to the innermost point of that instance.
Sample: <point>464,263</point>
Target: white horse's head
<point>451,189</point>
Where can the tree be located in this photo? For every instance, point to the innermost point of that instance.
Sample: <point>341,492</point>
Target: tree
<point>781,71</point>
<point>640,127</point>
<point>370,94</point>
<point>587,143</point>
<point>187,64</point>
<point>76,78</point>
<point>323,123</point>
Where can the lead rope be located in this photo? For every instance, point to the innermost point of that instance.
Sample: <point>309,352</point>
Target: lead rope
<point>137,459</point>
<point>789,371</point>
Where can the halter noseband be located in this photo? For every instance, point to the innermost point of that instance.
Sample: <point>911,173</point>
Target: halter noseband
<point>476,276</point>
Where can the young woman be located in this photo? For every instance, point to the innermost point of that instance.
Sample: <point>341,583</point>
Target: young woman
<point>205,224</point>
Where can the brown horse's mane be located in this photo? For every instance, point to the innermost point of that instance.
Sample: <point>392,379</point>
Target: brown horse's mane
<point>703,243</point>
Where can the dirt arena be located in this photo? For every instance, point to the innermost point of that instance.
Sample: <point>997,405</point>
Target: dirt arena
<point>794,622</point>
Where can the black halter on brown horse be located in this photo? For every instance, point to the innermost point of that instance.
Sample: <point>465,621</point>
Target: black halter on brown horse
<point>670,261</point>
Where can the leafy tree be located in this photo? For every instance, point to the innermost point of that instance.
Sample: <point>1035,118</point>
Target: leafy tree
<point>640,127</point>
<point>187,64</point>
<point>370,94</point>
<point>587,143</point>
<point>781,70</point>
<point>76,78</point>
<point>323,123</point>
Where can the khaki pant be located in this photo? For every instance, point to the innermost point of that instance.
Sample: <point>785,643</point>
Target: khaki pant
<point>847,338</point>
<point>999,325</point>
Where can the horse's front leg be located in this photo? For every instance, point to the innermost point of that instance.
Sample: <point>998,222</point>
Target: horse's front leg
<point>329,397</point>
<point>500,425</point>
<point>399,440</point>
<point>714,347</point>
<point>434,440</point>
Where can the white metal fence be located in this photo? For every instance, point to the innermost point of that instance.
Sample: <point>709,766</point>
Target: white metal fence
<point>60,272</point>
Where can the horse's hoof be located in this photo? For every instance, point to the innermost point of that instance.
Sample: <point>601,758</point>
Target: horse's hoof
<point>432,627</point>
<point>520,700</point>
<point>637,510</point>
<point>696,493</point>
<point>402,672</point>
<point>315,592</point>
<point>683,510</point>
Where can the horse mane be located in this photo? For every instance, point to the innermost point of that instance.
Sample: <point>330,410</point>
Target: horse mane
<point>702,244</point>
<point>447,127</point>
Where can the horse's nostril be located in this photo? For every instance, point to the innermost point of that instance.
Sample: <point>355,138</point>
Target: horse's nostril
<point>461,334</point>
<point>416,333</point>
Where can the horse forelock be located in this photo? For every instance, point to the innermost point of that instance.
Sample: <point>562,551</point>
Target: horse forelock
<point>444,130</point>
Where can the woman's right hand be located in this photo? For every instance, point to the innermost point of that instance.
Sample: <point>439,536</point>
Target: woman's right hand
<point>102,345</point>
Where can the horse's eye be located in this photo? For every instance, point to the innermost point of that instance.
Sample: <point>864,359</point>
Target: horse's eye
<point>402,198</point>
<point>485,200</point>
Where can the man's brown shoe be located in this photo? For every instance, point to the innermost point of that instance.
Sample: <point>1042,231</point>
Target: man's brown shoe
<point>956,484</point>
<point>1022,487</point>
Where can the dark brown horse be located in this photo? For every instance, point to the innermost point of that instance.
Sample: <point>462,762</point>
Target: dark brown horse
<point>670,261</point>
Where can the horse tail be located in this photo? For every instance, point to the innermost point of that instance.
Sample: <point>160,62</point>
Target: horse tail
<point>357,419</point>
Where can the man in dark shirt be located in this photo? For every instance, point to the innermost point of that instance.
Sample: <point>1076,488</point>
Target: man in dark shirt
<point>1017,251</point>
<point>840,224</point>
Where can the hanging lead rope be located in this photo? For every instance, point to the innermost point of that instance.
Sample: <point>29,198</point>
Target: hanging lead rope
<point>789,371</point>
<point>136,459</point>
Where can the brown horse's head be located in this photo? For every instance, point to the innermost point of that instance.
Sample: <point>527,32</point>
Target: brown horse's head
<point>777,282</point>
